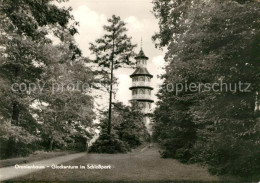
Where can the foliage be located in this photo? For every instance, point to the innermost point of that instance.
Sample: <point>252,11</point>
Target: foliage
<point>217,128</point>
<point>28,56</point>
<point>171,15</point>
<point>129,125</point>
<point>175,130</point>
<point>127,133</point>
<point>109,144</point>
<point>16,141</point>
<point>114,44</point>
<point>65,106</point>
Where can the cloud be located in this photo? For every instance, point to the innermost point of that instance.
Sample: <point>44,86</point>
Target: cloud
<point>91,26</point>
<point>158,61</point>
<point>133,23</point>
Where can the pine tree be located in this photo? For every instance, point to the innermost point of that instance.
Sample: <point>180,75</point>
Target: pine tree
<point>113,50</point>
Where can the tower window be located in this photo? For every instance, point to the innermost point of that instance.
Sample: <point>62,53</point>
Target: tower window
<point>142,91</point>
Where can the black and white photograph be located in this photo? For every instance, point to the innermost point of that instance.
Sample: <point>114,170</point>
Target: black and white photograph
<point>130,91</point>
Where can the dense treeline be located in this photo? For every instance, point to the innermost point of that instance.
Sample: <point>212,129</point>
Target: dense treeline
<point>47,88</point>
<point>35,114</point>
<point>210,42</point>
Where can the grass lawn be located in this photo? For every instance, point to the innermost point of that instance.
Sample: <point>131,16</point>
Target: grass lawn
<point>36,156</point>
<point>137,166</point>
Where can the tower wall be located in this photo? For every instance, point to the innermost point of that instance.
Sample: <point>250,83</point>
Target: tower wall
<point>141,88</point>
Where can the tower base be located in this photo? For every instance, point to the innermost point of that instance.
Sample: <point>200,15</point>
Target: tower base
<point>148,124</point>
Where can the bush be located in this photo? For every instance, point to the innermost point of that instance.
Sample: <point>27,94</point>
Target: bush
<point>109,144</point>
<point>16,141</point>
<point>240,158</point>
<point>128,130</point>
<point>13,148</point>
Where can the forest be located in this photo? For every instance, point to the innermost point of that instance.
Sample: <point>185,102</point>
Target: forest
<point>210,42</point>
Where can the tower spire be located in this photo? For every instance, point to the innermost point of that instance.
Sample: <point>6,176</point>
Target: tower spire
<point>141,43</point>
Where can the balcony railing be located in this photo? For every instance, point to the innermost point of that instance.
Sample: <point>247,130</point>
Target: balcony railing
<point>141,83</point>
<point>141,96</point>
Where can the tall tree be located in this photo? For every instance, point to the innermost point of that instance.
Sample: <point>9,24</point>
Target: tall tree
<point>215,48</point>
<point>171,16</point>
<point>113,50</point>
<point>27,56</point>
<point>24,29</point>
<point>65,101</point>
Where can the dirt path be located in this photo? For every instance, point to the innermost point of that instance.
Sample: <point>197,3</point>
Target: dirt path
<point>135,166</point>
<point>12,172</point>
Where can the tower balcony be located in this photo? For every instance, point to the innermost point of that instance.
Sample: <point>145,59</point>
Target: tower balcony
<point>141,96</point>
<point>141,83</point>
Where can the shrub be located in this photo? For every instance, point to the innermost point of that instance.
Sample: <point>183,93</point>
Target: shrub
<point>16,141</point>
<point>109,144</point>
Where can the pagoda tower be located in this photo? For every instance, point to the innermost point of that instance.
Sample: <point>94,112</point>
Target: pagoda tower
<point>141,87</point>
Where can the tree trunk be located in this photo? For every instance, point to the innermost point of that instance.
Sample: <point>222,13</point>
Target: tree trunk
<point>51,144</point>
<point>86,145</point>
<point>15,113</point>
<point>110,92</point>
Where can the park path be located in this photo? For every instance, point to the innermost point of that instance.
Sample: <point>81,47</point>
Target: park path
<point>12,172</point>
<point>142,164</point>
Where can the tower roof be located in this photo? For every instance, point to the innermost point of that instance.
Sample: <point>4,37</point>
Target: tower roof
<point>141,71</point>
<point>141,55</point>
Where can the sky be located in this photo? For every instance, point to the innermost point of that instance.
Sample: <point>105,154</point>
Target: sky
<point>141,23</point>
